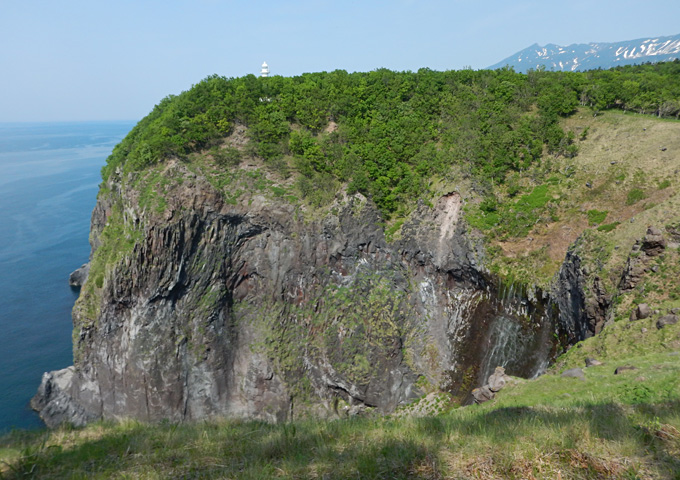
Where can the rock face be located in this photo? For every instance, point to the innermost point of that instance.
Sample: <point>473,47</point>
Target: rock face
<point>207,308</point>
<point>666,320</point>
<point>582,301</point>
<point>78,277</point>
<point>55,402</point>
<point>652,245</point>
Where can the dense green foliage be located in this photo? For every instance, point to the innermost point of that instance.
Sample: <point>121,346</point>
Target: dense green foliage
<point>392,132</point>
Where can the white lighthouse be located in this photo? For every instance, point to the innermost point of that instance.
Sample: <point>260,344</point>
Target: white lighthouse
<point>265,70</point>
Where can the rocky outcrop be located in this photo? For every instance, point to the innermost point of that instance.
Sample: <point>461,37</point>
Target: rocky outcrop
<point>666,320</point>
<point>641,312</point>
<point>206,308</point>
<point>582,301</point>
<point>483,394</point>
<point>592,362</point>
<point>495,383</point>
<point>55,402</point>
<point>79,276</point>
<point>654,242</point>
<point>652,245</point>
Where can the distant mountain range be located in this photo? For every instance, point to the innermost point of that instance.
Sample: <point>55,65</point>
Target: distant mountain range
<point>594,55</point>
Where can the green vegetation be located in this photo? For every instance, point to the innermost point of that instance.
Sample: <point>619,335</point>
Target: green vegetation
<point>388,134</point>
<point>608,227</point>
<point>634,196</point>
<point>596,217</point>
<point>117,239</point>
<point>513,218</point>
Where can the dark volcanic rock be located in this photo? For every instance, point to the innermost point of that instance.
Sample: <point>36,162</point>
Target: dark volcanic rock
<point>591,362</point>
<point>582,300</point>
<point>632,273</point>
<point>654,242</point>
<point>643,251</point>
<point>252,311</point>
<point>79,276</point>
<point>666,320</point>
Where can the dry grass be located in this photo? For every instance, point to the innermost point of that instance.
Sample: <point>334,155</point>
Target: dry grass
<point>622,151</point>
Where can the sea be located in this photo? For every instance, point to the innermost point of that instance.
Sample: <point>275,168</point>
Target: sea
<point>49,177</point>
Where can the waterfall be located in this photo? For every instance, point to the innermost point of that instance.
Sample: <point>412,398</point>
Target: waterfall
<point>504,324</point>
<point>520,335</point>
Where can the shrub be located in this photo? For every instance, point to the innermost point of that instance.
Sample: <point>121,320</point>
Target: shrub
<point>226,157</point>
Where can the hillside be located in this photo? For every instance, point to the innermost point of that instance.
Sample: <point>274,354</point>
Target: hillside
<point>591,56</point>
<point>373,245</point>
<point>621,181</point>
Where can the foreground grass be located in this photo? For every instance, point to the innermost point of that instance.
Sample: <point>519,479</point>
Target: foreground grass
<point>606,426</point>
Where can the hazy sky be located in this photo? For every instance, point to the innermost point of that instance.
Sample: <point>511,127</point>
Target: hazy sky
<point>99,60</point>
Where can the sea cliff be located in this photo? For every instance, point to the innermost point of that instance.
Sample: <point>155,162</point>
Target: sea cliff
<point>208,308</point>
<point>287,247</point>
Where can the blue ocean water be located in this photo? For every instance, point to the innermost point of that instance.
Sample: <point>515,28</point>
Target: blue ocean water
<point>49,177</point>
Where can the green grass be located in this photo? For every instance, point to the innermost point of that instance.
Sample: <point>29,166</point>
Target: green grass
<point>608,227</point>
<point>596,217</point>
<point>511,218</point>
<point>634,196</point>
<point>393,229</point>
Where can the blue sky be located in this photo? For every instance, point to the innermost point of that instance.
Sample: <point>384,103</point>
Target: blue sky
<point>109,60</point>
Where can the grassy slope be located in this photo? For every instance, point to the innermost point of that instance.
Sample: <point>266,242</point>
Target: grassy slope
<point>607,426</point>
<point>621,152</point>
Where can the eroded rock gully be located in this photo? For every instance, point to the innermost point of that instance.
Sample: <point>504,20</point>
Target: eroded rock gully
<point>250,311</point>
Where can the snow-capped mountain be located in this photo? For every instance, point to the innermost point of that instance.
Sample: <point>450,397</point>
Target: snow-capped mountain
<point>594,55</point>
